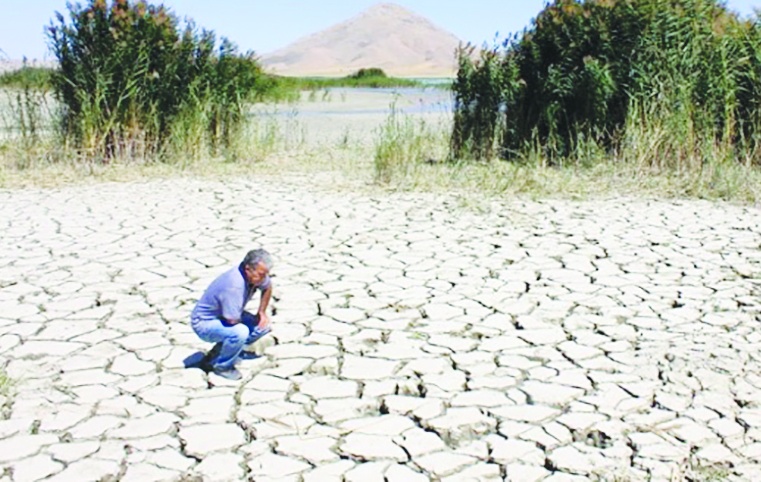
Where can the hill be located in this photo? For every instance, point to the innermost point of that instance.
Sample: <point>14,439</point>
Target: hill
<point>402,43</point>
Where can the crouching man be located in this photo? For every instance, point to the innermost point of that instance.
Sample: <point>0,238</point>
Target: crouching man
<point>220,317</point>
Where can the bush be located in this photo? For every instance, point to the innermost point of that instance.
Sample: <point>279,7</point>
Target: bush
<point>368,73</point>
<point>589,71</point>
<point>129,80</point>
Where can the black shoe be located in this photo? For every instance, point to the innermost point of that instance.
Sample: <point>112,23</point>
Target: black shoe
<point>214,351</point>
<point>230,373</point>
<point>210,356</point>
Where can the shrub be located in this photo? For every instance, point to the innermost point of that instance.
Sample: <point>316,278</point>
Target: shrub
<point>588,71</point>
<point>367,73</point>
<point>130,80</point>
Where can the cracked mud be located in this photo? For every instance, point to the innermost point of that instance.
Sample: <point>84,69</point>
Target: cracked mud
<point>412,339</point>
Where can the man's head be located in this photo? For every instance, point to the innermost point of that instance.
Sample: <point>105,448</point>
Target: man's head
<point>257,265</point>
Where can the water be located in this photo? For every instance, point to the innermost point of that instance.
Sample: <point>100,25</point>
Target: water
<point>435,81</point>
<point>365,101</point>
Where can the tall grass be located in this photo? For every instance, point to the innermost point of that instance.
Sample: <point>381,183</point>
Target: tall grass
<point>666,85</point>
<point>643,166</point>
<point>133,84</point>
<point>25,119</point>
<point>403,144</point>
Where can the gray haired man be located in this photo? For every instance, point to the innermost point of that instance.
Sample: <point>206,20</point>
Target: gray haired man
<point>220,317</point>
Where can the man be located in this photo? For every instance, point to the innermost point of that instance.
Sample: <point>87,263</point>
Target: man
<point>219,316</point>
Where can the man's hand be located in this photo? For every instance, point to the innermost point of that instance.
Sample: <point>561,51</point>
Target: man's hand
<point>264,320</point>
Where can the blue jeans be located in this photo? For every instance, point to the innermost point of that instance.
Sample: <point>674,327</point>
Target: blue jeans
<point>232,337</point>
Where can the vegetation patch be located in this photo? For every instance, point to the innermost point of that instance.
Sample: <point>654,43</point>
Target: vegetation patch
<point>6,384</point>
<point>288,88</point>
<point>7,392</point>
<point>27,77</point>
<point>664,85</point>
<point>132,83</point>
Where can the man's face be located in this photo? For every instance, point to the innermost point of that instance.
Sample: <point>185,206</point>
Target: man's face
<point>256,274</point>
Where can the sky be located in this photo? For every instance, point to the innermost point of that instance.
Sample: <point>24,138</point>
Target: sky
<point>267,25</point>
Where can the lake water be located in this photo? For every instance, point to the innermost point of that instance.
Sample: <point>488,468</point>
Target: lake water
<point>354,115</point>
<point>368,101</point>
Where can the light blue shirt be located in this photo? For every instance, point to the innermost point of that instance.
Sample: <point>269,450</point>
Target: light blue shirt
<point>227,296</point>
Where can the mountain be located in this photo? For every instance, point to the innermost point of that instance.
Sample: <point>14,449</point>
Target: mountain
<point>386,35</point>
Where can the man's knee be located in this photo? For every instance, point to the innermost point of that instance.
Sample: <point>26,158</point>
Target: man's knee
<point>238,334</point>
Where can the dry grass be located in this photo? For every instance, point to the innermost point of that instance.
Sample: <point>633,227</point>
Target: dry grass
<point>403,162</point>
<point>731,183</point>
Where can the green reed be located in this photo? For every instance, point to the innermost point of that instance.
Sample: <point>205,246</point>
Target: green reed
<point>132,82</point>
<point>664,84</point>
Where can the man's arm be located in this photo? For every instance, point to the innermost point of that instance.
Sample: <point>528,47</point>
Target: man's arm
<point>264,320</point>
<point>229,307</point>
